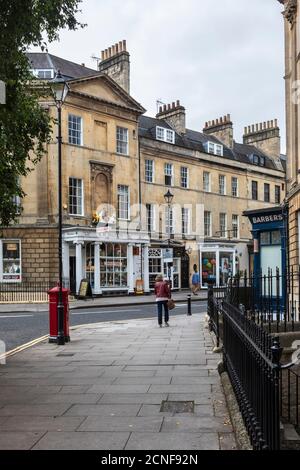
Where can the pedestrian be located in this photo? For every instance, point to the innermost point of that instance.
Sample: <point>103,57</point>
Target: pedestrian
<point>163,294</point>
<point>195,281</point>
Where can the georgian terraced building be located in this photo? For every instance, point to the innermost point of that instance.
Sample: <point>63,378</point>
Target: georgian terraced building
<point>291,15</point>
<point>117,166</point>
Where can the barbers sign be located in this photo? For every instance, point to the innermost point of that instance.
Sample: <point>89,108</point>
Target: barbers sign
<point>265,219</point>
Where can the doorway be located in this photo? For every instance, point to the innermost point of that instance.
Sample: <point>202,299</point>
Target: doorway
<point>73,275</point>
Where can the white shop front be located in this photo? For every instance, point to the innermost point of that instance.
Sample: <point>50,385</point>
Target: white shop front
<point>217,264</point>
<point>112,262</point>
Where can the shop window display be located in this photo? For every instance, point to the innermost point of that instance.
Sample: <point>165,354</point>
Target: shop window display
<point>209,268</point>
<point>113,265</point>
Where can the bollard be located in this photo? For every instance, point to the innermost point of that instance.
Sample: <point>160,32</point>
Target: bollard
<point>189,300</point>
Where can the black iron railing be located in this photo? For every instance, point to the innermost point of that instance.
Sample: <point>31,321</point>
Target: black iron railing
<point>271,299</point>
<point>252,360</point>
<point>27,291</point>
<point>289,396</point>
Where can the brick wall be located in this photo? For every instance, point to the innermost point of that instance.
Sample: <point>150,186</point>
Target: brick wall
<point>39,252</point>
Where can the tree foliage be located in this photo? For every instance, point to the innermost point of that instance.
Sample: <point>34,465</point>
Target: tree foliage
<point>25,127</point>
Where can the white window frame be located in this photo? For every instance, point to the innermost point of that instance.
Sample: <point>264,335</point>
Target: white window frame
<point>225,230</point>
<point>152,218</point>
<point>147,171</point>
<point>128,201</point>
<point>222,186</point>
<point>234,189</point>
<point>169,221</point>
<point>169,165</point>
<point>209,182</point>
<point>165,135</point>
<point>186,219</point>
<point>81,214</point>
<point>237,225</point>
<point>80,144</point>
<point>36,72</point>
<point>213,148</point>
<point>184,177</point>
<point>2,279</point>
<point>118,128</point>
<point>207,233</point>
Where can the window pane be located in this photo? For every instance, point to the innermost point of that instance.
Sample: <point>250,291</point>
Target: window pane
<point>75,131</point>
<point>11,263</point>
<point>122,140</point>
<point>75,196</point>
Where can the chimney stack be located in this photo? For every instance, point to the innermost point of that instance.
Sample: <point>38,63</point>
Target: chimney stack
<point>222,129</point>
<point>265,136</point>
<point>115,62</point>
<point>174,114</point>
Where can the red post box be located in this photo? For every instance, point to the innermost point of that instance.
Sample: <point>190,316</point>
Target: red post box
<point>53,320</point>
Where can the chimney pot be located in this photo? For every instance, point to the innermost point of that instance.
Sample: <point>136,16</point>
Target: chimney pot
<point>276,122</point>
<point>228,117</point>
<point>256,127</point>
<point>102,55</point>
<point>217,121</point>
<point>245,130</point>
<point>173,104</point>
<point>160,109</point>
<point>169,106</point>
<point>109,52</point>
<point>124,45</point>
<point>165,107</point>
<point>221,120</point>
<point>113,50</point>
<point>178,103</point>
<point>120,46</point>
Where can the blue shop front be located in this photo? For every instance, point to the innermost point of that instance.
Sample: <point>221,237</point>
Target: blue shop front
<point>269,253</point>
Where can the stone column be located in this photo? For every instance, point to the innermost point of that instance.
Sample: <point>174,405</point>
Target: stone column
<point>79,264</point>
<point>97,288</point>
<point>130,268</point>
<point>146,268</point>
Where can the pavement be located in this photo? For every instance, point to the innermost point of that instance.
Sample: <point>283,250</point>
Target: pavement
<point>101,302</point>
<point>105,389</point>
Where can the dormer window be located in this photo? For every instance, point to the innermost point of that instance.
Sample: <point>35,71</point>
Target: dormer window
<point>257,159</point>
<point>166,135</point>
<point>43,74</point>
<point>215,149</point>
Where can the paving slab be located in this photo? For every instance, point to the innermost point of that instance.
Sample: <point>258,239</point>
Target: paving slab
<point>82,441</point>
<point>108,396</point>
<point>173,441</point>
<point>14,440</point>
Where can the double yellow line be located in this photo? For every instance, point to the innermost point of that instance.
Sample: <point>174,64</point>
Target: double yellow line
<point>21,348</point>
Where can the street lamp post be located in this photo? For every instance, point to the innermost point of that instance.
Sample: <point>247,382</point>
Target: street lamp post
<point>168,199</point>
<point>60,90</point>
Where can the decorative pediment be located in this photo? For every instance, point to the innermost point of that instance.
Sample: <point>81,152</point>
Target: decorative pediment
<point>290,10</point>
<point>102,87</point>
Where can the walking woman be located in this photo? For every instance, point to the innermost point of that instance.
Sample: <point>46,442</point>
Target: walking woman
<point>163,294</point>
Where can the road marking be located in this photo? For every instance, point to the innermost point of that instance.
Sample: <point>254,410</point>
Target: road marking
<point>24,346</point>
<point>16,316</point>
<point>104,311</point>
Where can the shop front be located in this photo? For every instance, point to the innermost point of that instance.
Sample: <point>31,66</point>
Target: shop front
<point>172,262</point>
<point>269,252</point>
<point>112,263</point>
<point>217,265</point>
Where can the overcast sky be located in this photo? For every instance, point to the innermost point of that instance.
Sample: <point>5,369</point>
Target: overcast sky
<point>217,57</point>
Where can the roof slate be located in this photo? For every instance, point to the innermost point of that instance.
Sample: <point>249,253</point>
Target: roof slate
<point>68,69</point>
<point>194,140</point>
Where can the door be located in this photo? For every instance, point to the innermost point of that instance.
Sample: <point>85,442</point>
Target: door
<point>73,274</point>
<point>185,271</point>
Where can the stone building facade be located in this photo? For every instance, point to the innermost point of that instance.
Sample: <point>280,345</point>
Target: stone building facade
<point>213,180</point>
<point>291,15</point>
<point>118,230</point>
